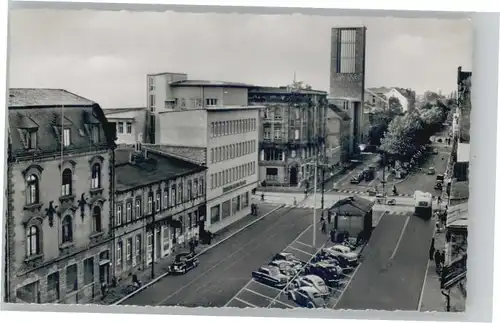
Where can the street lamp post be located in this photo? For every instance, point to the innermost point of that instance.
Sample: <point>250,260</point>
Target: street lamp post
<point>153,220</point>
<point>314,202</point>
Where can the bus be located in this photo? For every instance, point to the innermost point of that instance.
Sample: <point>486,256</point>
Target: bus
<point>423,204</point>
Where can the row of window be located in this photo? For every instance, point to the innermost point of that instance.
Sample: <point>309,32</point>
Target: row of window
<point>33,184</point>
<point>229,207</point>
<point>34,232</point>
<point>29,137</point>
<point>129,251</point>
<point>124,126</point>
<point>232,151</point>
<point>278,133</point>
<point>232,174</point>
<point>71,283</point>
<point>231,127</point>
<point>273,154</point>
<point>170,198</point>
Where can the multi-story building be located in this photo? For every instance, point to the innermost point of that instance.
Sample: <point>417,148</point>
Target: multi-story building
<point>154,190</point>
<point>132,124</point>
<point>292,132</point>
<point>173,92</point>
<point>347,77</point>
<point>225,138</point>
<point>338,133</point>
<point>59,176</point>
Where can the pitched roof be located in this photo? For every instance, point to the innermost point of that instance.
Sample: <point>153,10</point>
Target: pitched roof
<point>194,154</point>
<point>153,169</point>
<point>47,112</point>
<point>33,97</point>
<point>379,90</point>
<point>338,111</point>
<point>352,205</point>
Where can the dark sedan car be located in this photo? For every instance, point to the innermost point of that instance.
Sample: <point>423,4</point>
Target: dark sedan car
<point>184,262</point>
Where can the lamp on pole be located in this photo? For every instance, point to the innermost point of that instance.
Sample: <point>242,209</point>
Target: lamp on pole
<point>314,201</point>
<point>153,220</point>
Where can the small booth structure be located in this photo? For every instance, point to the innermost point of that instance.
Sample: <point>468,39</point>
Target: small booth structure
<point>456,231</point>
<point>353,214</point>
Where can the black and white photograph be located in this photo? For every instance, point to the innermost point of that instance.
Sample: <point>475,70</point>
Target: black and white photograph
<point>236,160</point>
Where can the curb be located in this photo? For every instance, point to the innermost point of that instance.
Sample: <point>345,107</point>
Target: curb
<point>140,289</point>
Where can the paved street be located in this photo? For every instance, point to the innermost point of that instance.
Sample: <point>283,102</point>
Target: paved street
<point>393,270</point>
<point>419,180</point>
<point>225,269</point>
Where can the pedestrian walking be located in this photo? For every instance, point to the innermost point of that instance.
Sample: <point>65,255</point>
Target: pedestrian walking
<point>191,246</point>
<point>294,201</point>
<point>262,197</point>
<point>332,235</point>
<point>432,250</point>
<point>436,260</point>
<point>323,227</point>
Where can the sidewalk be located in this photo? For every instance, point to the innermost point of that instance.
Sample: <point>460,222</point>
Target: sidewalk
<point>285,189</point>
<point>432,299</point>
<point>125,286</point>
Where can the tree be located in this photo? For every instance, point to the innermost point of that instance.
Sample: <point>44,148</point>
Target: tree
<point>379,122</point>
<point>399,139</point>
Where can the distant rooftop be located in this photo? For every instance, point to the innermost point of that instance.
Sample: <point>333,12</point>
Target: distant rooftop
<point>209,83</point>
<point>40,97</point>
<point>283,90</point>
<point>146,171</point>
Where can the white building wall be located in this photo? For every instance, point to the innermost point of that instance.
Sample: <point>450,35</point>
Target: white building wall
<point>402,99</point>
<point>229,201</point>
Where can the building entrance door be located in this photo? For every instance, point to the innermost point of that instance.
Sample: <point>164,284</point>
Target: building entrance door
<point>293,175</point>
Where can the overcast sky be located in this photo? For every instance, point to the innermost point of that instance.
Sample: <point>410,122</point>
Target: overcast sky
<point>105,56</point>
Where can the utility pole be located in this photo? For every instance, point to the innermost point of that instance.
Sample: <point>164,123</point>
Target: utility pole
<point>322,187</point>
<point>153,222</point>
<point>314,202</point>
<point>383,172</point>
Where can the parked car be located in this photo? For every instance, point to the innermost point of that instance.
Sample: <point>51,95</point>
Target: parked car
<point>340,261</point>
<point>271,276</point>
<point>312,281</point>
<point>183,263</point>
<point>356,179</point>
<point>326,271</point>
<point>289,257</point>
<point>286,267</point>
<point>345,251</point>
<point>307,297</point>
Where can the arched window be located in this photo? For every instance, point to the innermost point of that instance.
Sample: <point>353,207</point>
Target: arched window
<point>67,229</point>
<point>67,180</point>
<point>32,194</point>
<point>96,176</point>
<point>33,241</point>
<point>96,219</point>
